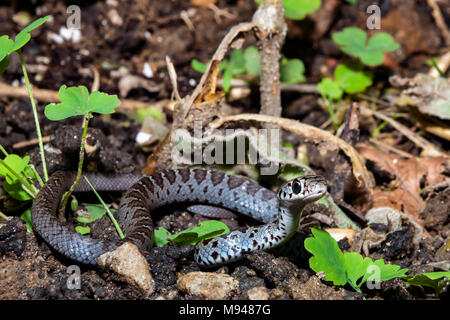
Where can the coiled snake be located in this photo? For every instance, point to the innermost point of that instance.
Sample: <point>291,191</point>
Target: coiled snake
<point>279,211</point>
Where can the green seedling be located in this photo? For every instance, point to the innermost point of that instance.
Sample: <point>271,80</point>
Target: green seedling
<point>8,46</point>
<point>350,267</point>
<point>19,181</point>
<point>292,71</point>
<point>206,230</point>
<point>26,216</point>
<point>251,60</point>
<point>247,62</point>
<point>240,62</point>
<point>353,41</point>
<point>348,78</point>
<point>76,101</point>
<point>352,78</point>
<point>95,212</point>
<point>330,91</point>
<point>19,177</point>
<point>435,280</point>
<point>298,9</point>
<point>152,112</point>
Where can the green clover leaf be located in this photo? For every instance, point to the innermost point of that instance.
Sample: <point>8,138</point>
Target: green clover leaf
<point>102,103</point>
<point>5,49</point>
<point>205,230</point>
<point>291,71</point>
<point>329,89</point>
<point>352,78</point>
<point>95,211</point>
<point>83,230</point>
<point>353,41</point>
<point>5,46</point>
<point>251,56</point>
<point>24,36</point>
<point>198,66</point>
<point>161,237</point>
<point>298,9</point>
<point>8,46</point>
<point>76,101</point>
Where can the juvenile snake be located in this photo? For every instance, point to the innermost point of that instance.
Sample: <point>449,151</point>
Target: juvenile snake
<point>279,211</point>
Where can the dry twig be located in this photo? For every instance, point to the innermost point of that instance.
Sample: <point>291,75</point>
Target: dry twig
<point>45,95</point>
<point>309,134</point>
<point>440,22</point>
<point>269,18</point>
<point>429,149</point>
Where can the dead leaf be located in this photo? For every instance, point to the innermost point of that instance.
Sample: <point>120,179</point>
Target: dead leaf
<point>130,82</point>
<point>410,175</point>
<point>203,3</point>
<point>430,94</point>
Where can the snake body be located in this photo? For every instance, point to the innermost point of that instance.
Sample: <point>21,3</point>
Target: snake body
<point>279,211</point>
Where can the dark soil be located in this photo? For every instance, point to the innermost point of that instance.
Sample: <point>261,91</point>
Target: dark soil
<point>147,32</point>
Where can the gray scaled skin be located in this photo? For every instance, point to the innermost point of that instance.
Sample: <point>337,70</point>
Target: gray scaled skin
<point>280,212</point>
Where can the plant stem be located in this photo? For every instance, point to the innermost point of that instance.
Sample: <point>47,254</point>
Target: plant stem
<point>30,184</point>
<point>271,32</point>
<point>330,111</point>
<point>3,216</point>
<point>36,119</point>
<point>110,215</point>
<point>26,186</point>
<point>38,177</point>
<point>434,64</point>
<point>342,220</point>
<point>381,126</point>
<point>80,165</point>
<point>3,150</point>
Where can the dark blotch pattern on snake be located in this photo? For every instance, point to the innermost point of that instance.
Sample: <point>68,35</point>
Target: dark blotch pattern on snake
<point>279,211</point>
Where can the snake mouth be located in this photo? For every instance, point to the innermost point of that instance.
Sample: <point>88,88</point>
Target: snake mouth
<point>303,190</point>
<point>318,193</point>
<point>317,187</point>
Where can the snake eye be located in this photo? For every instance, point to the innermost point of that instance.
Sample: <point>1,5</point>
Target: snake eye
<point>296,187</point>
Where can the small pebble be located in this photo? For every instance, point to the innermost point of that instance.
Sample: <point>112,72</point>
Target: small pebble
<point>208,285</point>
<point>258,293</point>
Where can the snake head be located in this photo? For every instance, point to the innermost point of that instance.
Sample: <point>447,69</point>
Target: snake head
<point>303,190</point>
